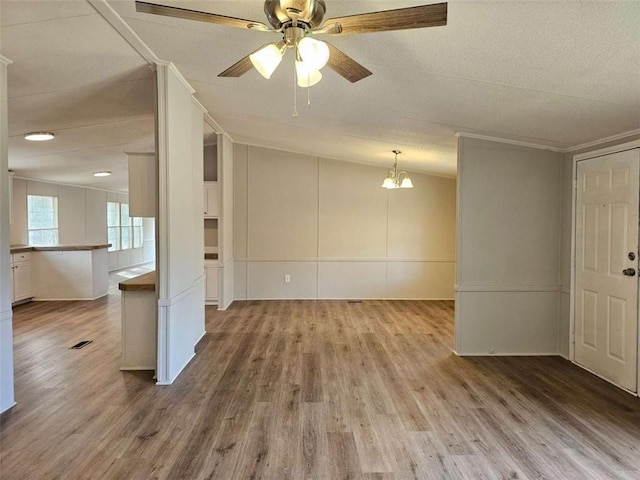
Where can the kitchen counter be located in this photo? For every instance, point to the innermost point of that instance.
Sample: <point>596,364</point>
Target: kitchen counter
<point>142,283</point>
<point>66,272</point>
<point>58,248</point>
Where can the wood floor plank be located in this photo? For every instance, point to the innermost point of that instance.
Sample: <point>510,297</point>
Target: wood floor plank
<point>315,443</point>
<point>290,390</point>
<point>402,396</point>
<point>371,454</point>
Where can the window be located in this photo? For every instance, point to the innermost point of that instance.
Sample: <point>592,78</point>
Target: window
<point>123,231</point>
<point>42,220</point>
<point>137,232</point>
<point>113,225</point>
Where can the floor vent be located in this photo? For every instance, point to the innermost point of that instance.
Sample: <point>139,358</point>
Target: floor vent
<point>354,301</point>
<point>80,345</point>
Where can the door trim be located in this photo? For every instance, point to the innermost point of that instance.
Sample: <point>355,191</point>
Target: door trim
<point>572,324</point>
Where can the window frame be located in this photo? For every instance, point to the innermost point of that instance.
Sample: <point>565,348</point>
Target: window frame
<point>56,215</point>
<point>134,224</point>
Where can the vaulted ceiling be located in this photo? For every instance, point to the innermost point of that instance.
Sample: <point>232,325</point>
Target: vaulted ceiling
<point>555,73</point>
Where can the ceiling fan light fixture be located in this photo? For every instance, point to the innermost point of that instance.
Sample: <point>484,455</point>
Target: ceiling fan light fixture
<point>315,53</point>
<point>307,77</point>
<point>267,59</point>
<point>38,136</point>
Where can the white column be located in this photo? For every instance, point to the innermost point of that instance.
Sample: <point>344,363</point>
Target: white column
<point>7,399</point>
<point>180,265</point>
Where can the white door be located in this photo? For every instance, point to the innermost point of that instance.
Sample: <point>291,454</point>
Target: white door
<point>606,299</point>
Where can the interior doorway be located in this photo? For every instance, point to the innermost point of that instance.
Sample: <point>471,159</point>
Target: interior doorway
<point>605,297</point>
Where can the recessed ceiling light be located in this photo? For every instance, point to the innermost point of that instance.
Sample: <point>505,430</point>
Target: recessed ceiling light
<point>102,174</point>
<point>38,136</point>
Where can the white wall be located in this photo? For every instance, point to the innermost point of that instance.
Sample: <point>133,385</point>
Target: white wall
<point>225,163</point>
<point>508,272</point>
<point>6,331</point>
<point>82,219</point>
<point>336,232</point>
<point>565,256</point>
<point>180,265</point>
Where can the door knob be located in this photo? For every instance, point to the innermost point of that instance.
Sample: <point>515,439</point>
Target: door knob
<point>629,272</point>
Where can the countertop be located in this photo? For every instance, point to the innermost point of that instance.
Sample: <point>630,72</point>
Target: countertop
<point>58,248</point>
<point>142,283</point>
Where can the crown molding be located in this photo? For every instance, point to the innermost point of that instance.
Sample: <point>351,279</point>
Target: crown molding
<point>619,147</point>
<point>600,141</point>
<point>356,162</point>
<point>509,141</point>
<point>126,32</point>
<point>573,148</point>
<point>199,105</point>
<point>173,69</point>
<point>215,125</point>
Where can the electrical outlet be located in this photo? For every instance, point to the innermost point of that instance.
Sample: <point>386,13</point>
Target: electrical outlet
<point>287,278</point>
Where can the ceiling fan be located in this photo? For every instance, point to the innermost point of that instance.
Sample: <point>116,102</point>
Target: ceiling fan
<point>298,21</point>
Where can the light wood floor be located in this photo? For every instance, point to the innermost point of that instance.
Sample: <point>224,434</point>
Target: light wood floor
<point>306,390</point>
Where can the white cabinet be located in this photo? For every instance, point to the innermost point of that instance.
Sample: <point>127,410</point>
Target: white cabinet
<point>211,199</point>
<point>211,290</point>
<point>21,276</point>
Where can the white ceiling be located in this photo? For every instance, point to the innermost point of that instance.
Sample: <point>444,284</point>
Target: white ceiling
<point>555,73</point>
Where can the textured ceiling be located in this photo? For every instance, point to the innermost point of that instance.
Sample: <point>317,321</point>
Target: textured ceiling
<point>550,72</point>
<point>74,75</point>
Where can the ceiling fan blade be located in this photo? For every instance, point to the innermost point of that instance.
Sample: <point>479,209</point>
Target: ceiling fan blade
<point>238,69</point>
<point>185,13</point>
<point>400,19</point>
<point>243,65</point>
<point>346,66</point>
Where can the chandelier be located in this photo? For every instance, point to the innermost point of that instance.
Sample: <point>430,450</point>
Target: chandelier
<point>397,179</point>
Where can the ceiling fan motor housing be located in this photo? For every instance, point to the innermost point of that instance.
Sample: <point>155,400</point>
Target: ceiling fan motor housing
<point>279,12</point>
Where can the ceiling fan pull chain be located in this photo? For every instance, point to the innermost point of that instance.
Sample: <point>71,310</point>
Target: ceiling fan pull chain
<point>295,96</point>
<point>309,90</point>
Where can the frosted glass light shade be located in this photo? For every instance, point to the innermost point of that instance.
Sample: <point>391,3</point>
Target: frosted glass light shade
<point>314,52</point>
<point>266,60</point>
<point>307,77</point>
<point>389,183</point>
<point>406,183</point>
<point>38,136</point>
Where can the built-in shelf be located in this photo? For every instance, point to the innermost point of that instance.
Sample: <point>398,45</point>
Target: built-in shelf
<point>211,203</point>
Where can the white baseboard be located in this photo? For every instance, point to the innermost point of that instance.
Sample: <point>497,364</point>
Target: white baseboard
<point>503,354</point>
<point>129,266</point>
<point>36,299</point>
<point>9,407</point>
<point>179,372</point>
<point>135,369</point>
<point>344,299</point>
